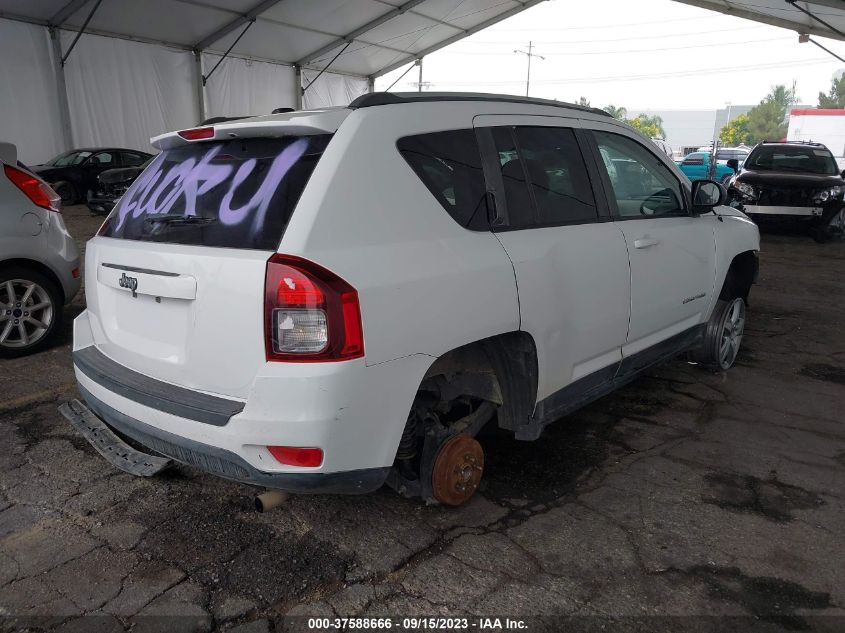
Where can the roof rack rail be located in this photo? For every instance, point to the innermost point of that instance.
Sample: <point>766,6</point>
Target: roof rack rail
<point>372,99</point>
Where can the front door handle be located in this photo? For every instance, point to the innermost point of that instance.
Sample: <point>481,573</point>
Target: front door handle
<point>645,242</point>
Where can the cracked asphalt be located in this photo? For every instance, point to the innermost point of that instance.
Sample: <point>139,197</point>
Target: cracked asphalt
<point>688,500</point>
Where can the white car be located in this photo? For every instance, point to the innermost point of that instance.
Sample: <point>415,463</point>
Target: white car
<point>325,301</point>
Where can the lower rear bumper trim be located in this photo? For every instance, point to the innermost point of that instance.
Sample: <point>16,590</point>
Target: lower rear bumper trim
<point>223,463</point>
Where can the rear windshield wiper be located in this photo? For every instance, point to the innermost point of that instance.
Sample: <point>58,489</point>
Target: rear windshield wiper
<point>175,218</point>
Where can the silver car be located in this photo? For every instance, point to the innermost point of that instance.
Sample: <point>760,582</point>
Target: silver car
<point>39,261</point>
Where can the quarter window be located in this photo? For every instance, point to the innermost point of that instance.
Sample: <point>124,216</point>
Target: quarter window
<point>643,186</point>
<point>449,165</point>
<point>544,175</point>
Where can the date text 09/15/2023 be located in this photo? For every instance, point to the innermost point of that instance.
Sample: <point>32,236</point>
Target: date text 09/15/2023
<point>418,623</point>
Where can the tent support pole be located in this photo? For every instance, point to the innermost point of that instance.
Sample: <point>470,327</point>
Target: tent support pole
<point>64,106</point>
<point>300,92</point>
<point>327,66</point>
<point>199,84</point>
<point>81,31</point>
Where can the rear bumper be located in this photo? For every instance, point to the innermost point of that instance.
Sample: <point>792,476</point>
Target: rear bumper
<point>228,465</point>
<point>353,412</point>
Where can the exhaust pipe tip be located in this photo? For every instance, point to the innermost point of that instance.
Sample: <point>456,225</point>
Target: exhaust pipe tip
<point>270,499</point>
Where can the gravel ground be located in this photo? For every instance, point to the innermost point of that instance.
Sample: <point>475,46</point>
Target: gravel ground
<point>687,500</point>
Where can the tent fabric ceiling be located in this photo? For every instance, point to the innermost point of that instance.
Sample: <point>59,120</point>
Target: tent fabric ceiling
<point>369,37</point>
<point>786,14</point>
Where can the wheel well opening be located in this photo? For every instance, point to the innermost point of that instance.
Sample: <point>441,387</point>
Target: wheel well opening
<point>37,267</point>
<point>501,369</point>
<point>741,275</point>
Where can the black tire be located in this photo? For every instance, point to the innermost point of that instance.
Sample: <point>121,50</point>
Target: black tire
<point>67,191</point>
<point>15,313</point>
<point>726,322</point>
<point>831,226</point>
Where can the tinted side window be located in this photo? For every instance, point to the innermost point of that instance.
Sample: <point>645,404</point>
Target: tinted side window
<point>517,192</point>
<point>544,176</point>
<point>449,165</point>
<point>695,159</point>
<point>643,186</point>
<point>103,159</point>
<point>558,176</point>
<point>132,160</point>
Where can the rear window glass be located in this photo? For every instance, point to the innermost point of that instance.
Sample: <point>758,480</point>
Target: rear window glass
<point>237,194</point>
<point>449,164</point>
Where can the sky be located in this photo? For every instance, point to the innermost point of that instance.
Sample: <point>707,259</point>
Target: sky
<point>648,54</point>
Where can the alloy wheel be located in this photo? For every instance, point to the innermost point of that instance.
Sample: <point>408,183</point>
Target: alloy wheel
<point>731,336</point>
<point>26,313</point>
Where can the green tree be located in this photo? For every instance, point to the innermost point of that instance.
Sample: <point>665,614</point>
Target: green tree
<point>650,126</point>
<point>767,120</point>
<point>583,101</point>
<point>835,98</point>
<point>617,113</point>
<point>736,131</point>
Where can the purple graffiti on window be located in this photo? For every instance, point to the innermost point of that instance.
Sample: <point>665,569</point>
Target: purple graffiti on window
<point>158,190</point>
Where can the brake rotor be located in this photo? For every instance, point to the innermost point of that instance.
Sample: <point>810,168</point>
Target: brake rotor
<point>457,470</point>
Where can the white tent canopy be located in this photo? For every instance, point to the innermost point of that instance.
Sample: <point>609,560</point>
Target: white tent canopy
<point>825,18</point>
<point>138,67</point>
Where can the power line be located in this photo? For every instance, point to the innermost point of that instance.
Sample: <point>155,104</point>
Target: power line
<point>624,39</point>
<point>685,73</point>
<point>637,50</point>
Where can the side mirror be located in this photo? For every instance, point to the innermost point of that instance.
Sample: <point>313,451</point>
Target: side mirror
<point>843,173</point>
<point>733,163</point>
<point>707,194</point>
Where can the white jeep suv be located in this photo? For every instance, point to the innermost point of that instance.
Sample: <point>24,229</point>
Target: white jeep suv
<point>325,301</point>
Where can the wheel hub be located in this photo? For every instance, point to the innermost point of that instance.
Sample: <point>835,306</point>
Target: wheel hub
<point>457,470</point>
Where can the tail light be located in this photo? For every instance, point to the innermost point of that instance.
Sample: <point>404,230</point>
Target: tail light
<point>33,188</point>
<point>197,133</point>
<point>310,314</point>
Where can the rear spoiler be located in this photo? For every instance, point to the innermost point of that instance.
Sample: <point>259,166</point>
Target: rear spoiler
<point>8,153</point>
<point>291,124</point>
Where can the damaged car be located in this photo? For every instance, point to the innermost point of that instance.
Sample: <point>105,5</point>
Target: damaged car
<point>111,184</point>
<point>792,180</point>
<point>333,300</point>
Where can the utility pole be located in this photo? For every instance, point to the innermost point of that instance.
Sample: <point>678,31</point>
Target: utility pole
<point>529,53</point>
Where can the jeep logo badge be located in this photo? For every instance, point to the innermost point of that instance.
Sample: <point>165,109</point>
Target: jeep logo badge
<point>129,282</point>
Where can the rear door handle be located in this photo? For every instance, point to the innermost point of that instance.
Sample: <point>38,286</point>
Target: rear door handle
<point>646,242</point>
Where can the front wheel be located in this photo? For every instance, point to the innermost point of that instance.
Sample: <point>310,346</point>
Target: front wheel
<point>831,227</point>
<point>723,335</point>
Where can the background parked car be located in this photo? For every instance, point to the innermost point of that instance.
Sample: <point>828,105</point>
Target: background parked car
<point>73,174</point>
<point>696,165</point>
<point>39,262</point>
<point>111,184</point>
<point>796,181</point>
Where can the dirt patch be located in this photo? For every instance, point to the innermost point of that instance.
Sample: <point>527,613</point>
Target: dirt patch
<point>828,373</point>
<point>767,497</point>
<point>769,599</point>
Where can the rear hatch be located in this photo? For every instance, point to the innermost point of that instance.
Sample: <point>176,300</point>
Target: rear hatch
<point>175,277</point>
